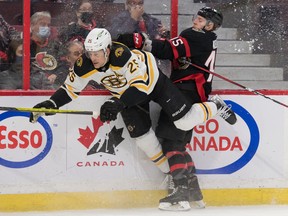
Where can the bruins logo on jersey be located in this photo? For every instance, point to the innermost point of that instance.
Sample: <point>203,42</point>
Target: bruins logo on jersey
<point>79,62</point>
<point>119,51</point>
<point>114,81</point>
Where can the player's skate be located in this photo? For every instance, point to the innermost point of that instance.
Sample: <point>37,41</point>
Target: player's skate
<point>170,184</point>
<point>195,194</point>
<point>178,200</point>
<point>224,110</point>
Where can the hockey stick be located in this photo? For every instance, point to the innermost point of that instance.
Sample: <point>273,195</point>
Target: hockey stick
<point>237,84</point>
<point>43,110</point>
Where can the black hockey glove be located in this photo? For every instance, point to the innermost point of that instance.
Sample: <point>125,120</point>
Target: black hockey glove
<point>110,109</point>
<point>136,41</point>
<point>48,104</point>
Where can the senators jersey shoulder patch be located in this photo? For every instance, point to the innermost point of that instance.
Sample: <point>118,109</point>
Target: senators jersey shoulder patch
<point>120,54</point>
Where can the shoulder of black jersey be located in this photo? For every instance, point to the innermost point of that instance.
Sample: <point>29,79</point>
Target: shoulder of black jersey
<point>198,35</point>
<point>212,35</point>
<point>83,65</point>
<point>119,54</point>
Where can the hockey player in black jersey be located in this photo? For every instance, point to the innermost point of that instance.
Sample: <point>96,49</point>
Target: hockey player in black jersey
<point>197,45</point>
<point>133,79</point>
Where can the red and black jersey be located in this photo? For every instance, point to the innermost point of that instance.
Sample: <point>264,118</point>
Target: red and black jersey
<point>197,47</point>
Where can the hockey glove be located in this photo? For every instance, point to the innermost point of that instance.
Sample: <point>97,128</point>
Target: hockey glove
<point>110,109</point>
<point>136,41</point>
<point>48,104</point>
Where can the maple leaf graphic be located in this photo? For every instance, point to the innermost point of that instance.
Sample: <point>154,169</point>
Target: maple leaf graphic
<point>87,135</point>
<point>112,140</point>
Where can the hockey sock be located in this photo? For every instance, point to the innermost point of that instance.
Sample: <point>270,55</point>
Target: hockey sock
<point>178,165</point>
<point>150,145</point>
<point>190,163</point>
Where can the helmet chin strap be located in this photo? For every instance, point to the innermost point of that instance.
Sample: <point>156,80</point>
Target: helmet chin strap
<point>106,56</point>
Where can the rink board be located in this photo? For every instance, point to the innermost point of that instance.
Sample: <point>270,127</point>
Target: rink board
<point>72,162</point>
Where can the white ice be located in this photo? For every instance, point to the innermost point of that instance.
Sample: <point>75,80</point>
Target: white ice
<point>261,210</point>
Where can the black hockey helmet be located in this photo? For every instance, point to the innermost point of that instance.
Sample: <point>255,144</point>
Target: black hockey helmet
<point>211,15</point>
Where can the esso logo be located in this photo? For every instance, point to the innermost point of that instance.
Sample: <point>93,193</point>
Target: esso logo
<point>23,144</point>
<point>222,148</point>
<point>23,139</point>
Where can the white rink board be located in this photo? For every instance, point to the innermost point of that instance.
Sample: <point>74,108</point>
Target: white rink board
<point>250,154</point>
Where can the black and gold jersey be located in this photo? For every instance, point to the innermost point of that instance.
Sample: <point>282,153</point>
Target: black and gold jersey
<point>123,70</point>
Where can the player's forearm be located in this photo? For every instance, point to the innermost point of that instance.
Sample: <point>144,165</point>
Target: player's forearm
<point>162,49</point>
<point>61,97</point>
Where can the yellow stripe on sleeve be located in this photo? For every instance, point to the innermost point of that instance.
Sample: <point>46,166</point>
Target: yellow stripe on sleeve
<point>70,91</point>
<point>89,73</point>
<point>204,111</point>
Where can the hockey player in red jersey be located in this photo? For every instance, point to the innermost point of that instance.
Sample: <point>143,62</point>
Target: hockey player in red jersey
<point>133,79</point>
<point>197,45</point>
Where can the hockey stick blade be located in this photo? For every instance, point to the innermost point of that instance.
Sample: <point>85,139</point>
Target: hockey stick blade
<point>237,84</point>
<point>43,110</point>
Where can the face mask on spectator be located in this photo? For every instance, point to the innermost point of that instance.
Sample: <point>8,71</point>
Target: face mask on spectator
<point>86,17</point>
<point>44,32</point>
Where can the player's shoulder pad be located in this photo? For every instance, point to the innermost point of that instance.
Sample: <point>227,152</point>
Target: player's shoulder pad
<point>119,55</point>
<point>83,65</point>
<point>200,36</point>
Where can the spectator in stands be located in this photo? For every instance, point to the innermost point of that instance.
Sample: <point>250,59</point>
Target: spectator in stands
<point>13,77</point>
<point>135,19</point>
<point>84,24</point>
<point>7,32</point>
<point>45,52</point>
<point>72,51</point>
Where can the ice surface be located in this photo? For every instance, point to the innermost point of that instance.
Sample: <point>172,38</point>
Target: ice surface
<point>265,210</point>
